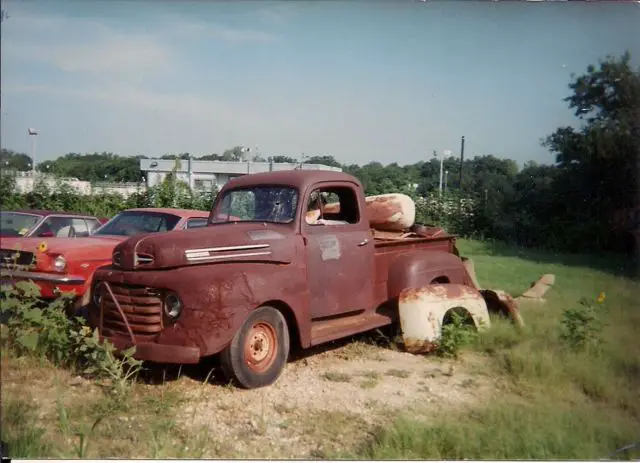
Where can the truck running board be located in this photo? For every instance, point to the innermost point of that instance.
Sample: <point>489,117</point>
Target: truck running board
<point>336,328</point>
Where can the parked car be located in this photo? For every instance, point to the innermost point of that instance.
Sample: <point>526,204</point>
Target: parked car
<point>267,273</point>
<point>46,224</point>
<point>66,265</point>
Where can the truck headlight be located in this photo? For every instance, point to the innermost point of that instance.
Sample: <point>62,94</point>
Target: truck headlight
<point>59,264</point>
<point>172,305</point>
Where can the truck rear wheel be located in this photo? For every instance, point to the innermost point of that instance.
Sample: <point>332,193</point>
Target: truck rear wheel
<point>259,350</point>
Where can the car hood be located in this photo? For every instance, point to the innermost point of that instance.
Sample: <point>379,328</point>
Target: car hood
<point>95,247</point>
<point>218,243</point>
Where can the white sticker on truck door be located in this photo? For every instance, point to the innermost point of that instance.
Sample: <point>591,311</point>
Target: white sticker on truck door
<point>329,247</point>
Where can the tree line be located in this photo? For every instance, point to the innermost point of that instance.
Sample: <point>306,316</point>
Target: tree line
<point>586,200</point>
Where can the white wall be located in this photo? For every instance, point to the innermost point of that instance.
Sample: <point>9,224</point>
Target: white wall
<point>24,184</point>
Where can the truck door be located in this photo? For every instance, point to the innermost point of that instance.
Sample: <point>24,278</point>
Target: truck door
<point>339,251</point>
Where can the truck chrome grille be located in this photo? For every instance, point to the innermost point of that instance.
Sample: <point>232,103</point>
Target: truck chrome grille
<point>141,306</point>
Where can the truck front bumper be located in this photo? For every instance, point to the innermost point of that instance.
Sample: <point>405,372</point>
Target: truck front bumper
<point>159,353</point>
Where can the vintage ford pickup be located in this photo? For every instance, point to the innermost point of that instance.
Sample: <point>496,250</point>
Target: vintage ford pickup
<point>263,275</point>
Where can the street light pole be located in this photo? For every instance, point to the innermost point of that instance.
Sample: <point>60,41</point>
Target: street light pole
<point>444,153</point>
<point>446,174</point>
<point>33,133</point>
<point>461,163</point>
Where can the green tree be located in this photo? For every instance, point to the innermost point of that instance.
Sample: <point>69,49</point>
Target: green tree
<point>281,158</point>
<point>12,160</point>
<point>326,160</point>
<point>598,162</point>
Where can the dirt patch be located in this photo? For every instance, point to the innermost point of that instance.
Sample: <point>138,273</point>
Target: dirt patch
<point>325,403</point>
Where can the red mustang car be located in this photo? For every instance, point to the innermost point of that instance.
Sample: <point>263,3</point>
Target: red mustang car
<point>30,223</point>
<point>66,265</point>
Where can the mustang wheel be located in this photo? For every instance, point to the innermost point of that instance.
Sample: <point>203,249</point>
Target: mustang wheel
<point>259,350</point>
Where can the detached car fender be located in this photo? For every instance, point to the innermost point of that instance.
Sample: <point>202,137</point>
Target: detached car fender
<point>422,312</point>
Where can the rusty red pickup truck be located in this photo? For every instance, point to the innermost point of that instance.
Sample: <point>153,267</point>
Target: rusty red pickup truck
<point>262,277</point>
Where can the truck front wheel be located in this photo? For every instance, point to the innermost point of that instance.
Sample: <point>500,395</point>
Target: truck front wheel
<point>259,350</point>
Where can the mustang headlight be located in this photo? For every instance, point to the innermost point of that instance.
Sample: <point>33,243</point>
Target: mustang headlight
<point>59,264</point>
<point>172,305</point>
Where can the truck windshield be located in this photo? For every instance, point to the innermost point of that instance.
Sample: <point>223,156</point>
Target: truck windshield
<point>131,223</point>
<point>275,204</point>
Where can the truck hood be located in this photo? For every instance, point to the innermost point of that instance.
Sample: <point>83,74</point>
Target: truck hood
<point>218,243</point>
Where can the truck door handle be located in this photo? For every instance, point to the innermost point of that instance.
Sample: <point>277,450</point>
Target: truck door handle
<point>363,242</point>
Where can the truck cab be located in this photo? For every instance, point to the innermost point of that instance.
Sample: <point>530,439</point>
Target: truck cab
<point>287,258</point>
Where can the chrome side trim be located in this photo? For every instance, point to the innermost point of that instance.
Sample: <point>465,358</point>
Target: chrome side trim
<point>227,256</point>
<point>244,247</point>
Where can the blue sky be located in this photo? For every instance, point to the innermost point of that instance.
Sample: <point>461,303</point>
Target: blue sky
<point>360,80</point>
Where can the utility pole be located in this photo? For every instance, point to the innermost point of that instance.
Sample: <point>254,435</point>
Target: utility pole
<point>444,153</point>
<point>33,133</point>
<point>461,163</point>
<point>435,154</point>
<point>446,175</point>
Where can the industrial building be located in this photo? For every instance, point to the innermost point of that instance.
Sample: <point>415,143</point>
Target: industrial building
<point>204,175</point>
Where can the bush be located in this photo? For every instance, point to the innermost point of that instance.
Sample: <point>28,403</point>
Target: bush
<point>582,326</point>
<point>457,332</point>
<point>170,193</point>
<point>45,331</point>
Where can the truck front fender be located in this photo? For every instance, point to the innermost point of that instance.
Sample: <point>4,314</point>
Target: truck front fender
<point>423,311</point>
<point>419,268</point>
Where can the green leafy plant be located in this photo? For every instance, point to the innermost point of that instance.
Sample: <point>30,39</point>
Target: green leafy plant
<point>457,332</point>
<point>581,327</point>
<point>99,359</point>
<point>34,329</point>
<point>45,330</point>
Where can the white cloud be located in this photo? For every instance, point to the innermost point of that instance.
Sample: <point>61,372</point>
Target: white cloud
<point>277,13</point>
<point>84,46</point>
<point>174,108</point>
<point>117,54</point>
<point>189,28</point>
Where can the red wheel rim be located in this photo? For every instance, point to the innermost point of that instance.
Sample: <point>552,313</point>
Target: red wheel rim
<point>261,347</point>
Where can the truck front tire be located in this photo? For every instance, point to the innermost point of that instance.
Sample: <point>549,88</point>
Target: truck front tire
<point>259,350</point>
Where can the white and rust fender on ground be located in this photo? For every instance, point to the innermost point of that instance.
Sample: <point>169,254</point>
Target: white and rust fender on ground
<point>423,310</point>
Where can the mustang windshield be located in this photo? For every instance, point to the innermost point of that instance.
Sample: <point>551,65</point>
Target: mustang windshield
<point>258,204</point>
<point>136,222</point>
<point>16,223</point>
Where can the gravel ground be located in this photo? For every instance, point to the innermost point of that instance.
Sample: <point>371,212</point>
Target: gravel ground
<point>327,402</point>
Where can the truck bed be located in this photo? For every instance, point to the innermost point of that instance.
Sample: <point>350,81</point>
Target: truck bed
<point>385,239</point>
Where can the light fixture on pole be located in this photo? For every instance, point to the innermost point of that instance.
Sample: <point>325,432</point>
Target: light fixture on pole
<point>33,133</point>
<point>303,158</point>
<point>244,150</point>
<point>444,153</point>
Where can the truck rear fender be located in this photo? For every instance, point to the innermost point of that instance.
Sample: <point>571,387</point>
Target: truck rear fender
<point>419,268</point>
<point>424,310</point>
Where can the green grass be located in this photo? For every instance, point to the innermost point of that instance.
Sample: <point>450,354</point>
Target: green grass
<point>337,377</point>
<point>508,430</point>
<point>558,403</point>
<point>21,432</point>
